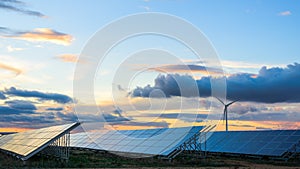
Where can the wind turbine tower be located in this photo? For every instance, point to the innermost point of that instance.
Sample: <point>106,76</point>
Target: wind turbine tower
<point>226,111</point>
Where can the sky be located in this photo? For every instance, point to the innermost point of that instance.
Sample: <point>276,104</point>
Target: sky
<point>257,43</point>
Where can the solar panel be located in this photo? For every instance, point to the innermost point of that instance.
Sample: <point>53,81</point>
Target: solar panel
<point>26,144</point>
<point>150,141</point>
<point>268,143</point>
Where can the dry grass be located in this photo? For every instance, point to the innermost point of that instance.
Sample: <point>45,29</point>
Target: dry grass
<point>87,159</point>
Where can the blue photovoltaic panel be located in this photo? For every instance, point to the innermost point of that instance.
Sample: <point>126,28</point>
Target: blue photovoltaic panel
<point>150,141</point>
<point>26,144</point>
<point>267,143</point>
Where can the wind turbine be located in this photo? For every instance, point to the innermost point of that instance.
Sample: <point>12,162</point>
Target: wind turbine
<point>225,111</point>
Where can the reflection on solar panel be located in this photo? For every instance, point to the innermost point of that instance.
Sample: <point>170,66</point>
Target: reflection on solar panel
<point>263,143</point>
<point>141,143</point>
<point>25,144</point>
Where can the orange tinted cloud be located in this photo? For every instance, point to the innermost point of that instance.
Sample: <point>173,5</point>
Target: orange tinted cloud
<point>9,69</point>
<point>13,129</point>
<point>44,35</point>
<point>68,58</point>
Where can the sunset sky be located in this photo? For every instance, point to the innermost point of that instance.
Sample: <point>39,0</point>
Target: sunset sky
<point>257,43</point>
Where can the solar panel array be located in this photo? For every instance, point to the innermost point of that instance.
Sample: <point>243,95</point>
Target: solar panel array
<point>148,142</point>
<point>267,143</point>
<point>26,144</point>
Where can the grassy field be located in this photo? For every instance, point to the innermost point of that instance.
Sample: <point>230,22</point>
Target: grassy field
<point>88,159</point>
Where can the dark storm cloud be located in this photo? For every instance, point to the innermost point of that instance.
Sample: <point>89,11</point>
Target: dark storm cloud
<point>2,96</point>
<point>273,116</point>
<point>41,119</point>
<point>21,105</point>
<point>112,118</point>
<point>55,109</point>
<point>115,116</point>
<point>263,128</point>
<point>23,113</point>
<point>66,116</point>
<point>168,84</point>
<point>187,117</point>
<point>18,6</point>
<point>4,110</point>
<point>270,85</point>
<point>161,124</point>
<point>59,98</point>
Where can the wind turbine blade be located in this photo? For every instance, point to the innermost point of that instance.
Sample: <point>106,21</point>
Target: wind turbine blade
<point>231,102</point>
<point>220,101</point>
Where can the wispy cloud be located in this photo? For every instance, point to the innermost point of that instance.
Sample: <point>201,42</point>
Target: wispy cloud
<point>146,8</point>
<point>285,13</point>
<point>68,57</point>
<point>18,6</point>
<point>43,35</point>
<point>38,35</point>
<point>195,66</point>
<point>187,68</point>
<point>10,69</point>
<point>12,49</point>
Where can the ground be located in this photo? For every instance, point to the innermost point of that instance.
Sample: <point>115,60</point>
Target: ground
<point>88,159</point>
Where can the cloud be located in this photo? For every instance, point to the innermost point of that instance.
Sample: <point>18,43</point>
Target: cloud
<point>17,6</point>
<point>39,119</point>
<point>186,117</point>
<point>66,116</point>
<point>68,58</point>
<point>270,85</point>
<point>42,35</point>
<point>38,35</point>
<point>168,84</point>
<point>263,128</point>
<point>115,116</point>
<point>22,113</point>
<point>55,109</point>
<point>12,49</point>
<point>14,116</point>
<point>162,124</point>
<point>21,105</point>
<point>270,116</point>
<point>285,13</point>
<point>4,110</point>
<point>58,98</point>
<point>146,8</point>
<point>5,30</point>
<point>238,108</point>
<point>187,68</point>
<point>10,69</point>
<point>2,96</point>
